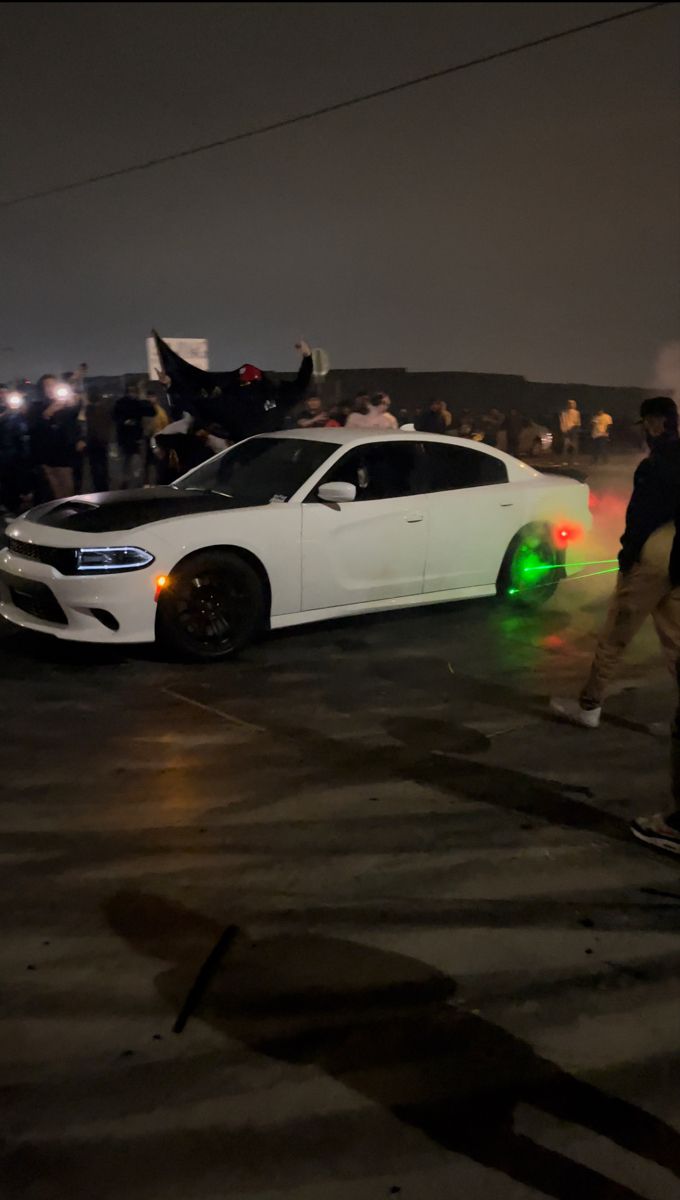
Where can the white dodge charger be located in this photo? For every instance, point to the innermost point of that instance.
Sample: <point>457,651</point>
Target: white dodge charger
<point>288,528</point>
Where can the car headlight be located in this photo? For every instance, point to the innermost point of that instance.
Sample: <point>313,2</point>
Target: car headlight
<point>98,560</point>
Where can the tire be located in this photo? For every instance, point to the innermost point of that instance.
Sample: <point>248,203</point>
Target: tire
<point>532,568</point>
<point>211,607</point>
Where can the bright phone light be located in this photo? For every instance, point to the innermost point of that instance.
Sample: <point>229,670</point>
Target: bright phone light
<point>15,400</point>
<point>63,392</point>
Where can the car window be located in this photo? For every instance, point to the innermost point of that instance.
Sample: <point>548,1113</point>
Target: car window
<point>455,467</point>
<point>260,470</point>
<point>382,471</point>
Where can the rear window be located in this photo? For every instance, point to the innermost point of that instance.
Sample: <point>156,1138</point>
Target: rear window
<point>454,467</point>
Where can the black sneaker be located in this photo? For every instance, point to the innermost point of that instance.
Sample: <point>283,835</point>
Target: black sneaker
<point>655,831</point>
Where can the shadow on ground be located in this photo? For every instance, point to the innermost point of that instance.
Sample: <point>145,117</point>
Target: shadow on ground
<point>387,1026</point>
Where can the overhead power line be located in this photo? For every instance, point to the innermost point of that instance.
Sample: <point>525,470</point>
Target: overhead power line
<point>364,98</point>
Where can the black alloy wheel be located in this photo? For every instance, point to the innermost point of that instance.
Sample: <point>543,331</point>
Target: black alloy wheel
<point>212,606</point>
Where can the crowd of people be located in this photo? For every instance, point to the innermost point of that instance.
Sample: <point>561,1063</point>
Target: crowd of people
<point>494,427</point>
<point>53,434</point>
<point>56,439</point>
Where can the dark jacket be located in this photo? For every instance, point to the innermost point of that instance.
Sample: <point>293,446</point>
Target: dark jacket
<point>128,415</point>
<point>430,422</point>
<point>54,438</point>
<point>98,422</point>
<point>14,445</point>
<point>655,501</point>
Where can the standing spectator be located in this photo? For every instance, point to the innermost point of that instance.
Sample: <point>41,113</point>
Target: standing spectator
<point>385,402</point>
<point>15,484</point>
<point>432,420</point>
<point>55,437</point>
<point>74,381</point>
<point>312,415</point>
<point>599,432</point>
<point>359,413</point>
<point>466,425</point>
<point>514,423</point>
<point>375,416</point>
<point>448,417</point>
<point>491,424</point>
<point>128,415</point>
<point>648,583</point>
<point>152,426</point>
<point>570,428</point>
<point>337,417</point>
<point>98,426</point>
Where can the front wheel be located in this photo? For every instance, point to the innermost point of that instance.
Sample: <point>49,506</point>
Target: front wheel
<point>212,606</point>
<point>531,570</point>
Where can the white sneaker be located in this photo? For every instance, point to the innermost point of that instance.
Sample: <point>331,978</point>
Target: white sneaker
<point>655,832</point>
<point>571,710</point>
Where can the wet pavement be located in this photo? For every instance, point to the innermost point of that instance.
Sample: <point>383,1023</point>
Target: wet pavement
<point>415,949</point>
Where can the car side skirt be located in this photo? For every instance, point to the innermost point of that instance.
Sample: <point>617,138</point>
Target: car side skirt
<point>354,610</point>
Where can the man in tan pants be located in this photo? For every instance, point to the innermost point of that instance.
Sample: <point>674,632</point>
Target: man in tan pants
<point>645,590</point>
<point>648,584</point>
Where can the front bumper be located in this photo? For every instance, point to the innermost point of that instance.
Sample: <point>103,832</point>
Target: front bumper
<point>119,607</point>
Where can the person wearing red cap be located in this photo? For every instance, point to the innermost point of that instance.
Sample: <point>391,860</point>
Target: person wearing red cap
<point>249,374</point>
<point>242,402</point>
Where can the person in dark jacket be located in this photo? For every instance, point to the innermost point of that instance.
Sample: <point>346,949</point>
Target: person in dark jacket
<point>432,420</point>
<point>54,436</point>
<point>15,483</point>
<point>514,423</point>
<point>648,582</point>
<point>128,415</point>
<point>98,426</point>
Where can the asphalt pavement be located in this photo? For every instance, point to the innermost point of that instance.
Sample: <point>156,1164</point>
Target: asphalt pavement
<point>350,917</point>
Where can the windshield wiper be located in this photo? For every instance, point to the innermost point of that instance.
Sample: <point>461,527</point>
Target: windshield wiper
<point>205,491</point>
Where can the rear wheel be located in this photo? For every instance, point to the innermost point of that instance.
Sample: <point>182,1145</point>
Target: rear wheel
<point>212,606</point>
<point>532,568</point>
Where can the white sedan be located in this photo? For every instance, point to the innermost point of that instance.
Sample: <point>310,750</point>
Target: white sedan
<point>288,528</point>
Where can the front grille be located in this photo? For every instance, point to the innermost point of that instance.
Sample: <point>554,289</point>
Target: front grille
<point>34,598</point>
<point>63,561</point>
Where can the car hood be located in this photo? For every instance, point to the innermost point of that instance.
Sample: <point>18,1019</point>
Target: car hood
<point>108,512</point>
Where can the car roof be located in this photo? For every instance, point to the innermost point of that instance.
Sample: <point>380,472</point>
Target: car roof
<point>345,437</point>
<point>516,469</point>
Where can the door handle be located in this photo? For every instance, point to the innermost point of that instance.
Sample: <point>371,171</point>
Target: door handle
<point>413,518</point>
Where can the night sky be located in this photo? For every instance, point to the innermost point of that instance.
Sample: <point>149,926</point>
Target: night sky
<point>520,217</point>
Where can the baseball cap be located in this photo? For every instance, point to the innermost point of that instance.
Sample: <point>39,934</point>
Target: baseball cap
<point>658,406</point>
<point>249,374</point>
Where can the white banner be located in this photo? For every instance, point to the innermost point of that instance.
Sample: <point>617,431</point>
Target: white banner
<point>193,350</point>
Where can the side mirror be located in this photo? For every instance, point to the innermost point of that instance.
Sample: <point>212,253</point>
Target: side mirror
<point>337,493</point>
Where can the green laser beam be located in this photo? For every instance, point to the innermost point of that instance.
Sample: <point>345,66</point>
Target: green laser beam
<point>571,579</point>
<point>597,562</point>
<point>591,575</point>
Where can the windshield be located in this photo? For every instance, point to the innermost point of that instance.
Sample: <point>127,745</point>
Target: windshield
<point>260,470</point>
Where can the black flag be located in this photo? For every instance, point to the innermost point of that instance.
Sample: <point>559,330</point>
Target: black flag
<point>241,402</point>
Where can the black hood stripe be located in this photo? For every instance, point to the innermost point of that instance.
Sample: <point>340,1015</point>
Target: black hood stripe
<point>108,512</point>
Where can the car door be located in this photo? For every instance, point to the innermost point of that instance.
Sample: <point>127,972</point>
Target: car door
<point>374,547</point>
<point>473,514</point>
